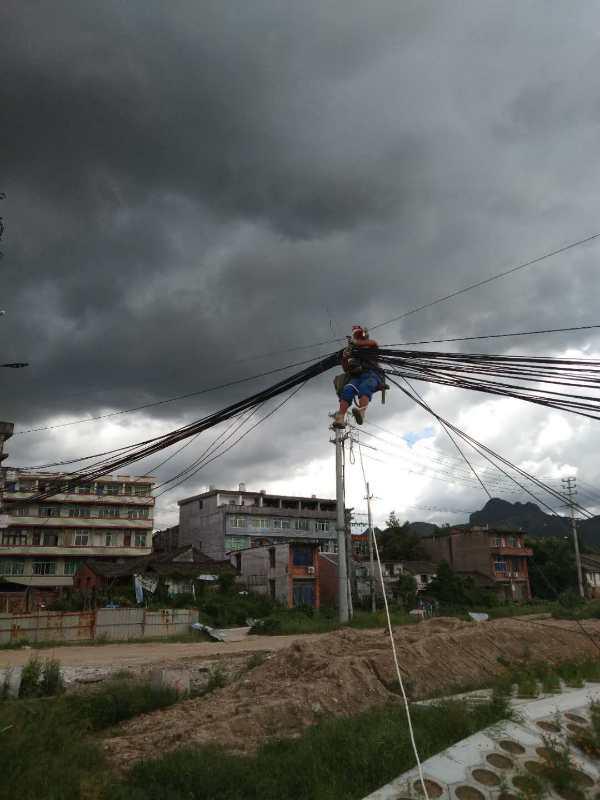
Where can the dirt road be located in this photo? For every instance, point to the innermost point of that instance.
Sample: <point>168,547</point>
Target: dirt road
<point>137,655</point>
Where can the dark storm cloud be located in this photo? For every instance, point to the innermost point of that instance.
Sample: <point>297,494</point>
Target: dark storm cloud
<point>191,184</point>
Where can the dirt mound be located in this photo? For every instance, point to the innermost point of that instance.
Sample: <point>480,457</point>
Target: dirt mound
<point>344,673</point>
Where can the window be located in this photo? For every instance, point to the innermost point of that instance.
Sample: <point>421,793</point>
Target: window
<point>140,540</point>
<point>36,538</point>
<point>99,488</point>
<point>141,489</point>
<point>272,557</point>
<point>22,511</point>
<point>108,511</point>
<point>137,513</point>
<point>72,565</point>
<point>200,504</point>
<point>500,565</point>
<point>49,511</point>
<point>127,488</point>
<point>126,540</point>
<point>79,511</point>
<point>512,541</point>
<point>497,542</point>
<point>108,540</point>
<point>51,539</point>
<point>328,546</point>
<point>286,523</point>
<point>81,538</point>
<point>14,538</point>
<point>238,522</point>
<point>236,542</point>
<point>44,567</point>
<point>113,488</point>
<point>26,486</point>
<point>260,522</point>
<point>272,588</point>
<point>302,555</point>
<point>301,524</point>
<point>322,525</point>
<point>12,566</point>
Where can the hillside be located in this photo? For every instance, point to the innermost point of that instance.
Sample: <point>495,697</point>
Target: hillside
<point>533,521</point>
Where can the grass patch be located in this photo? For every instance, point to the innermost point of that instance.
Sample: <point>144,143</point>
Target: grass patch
<point>191,636</point>
<point>339,759</point>
<point>48,748</point>
<point>294,621</point>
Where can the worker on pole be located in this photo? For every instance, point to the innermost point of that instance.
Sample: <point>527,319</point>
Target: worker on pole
<point>362,377</point>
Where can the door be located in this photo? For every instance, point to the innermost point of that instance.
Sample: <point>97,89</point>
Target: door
<point>304,593</point>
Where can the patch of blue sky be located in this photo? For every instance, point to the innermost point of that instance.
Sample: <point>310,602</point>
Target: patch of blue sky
<point>414,436</point>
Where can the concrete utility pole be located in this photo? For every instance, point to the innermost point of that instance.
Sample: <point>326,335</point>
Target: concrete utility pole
<point>343,610</point>
<point>371,561</point>
<point>570,492</point>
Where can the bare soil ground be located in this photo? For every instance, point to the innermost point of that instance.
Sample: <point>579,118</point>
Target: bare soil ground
<point>125,656</point>
<point>346,672</point>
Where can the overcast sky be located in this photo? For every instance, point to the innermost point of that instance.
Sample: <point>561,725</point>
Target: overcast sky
<point>193,184</point>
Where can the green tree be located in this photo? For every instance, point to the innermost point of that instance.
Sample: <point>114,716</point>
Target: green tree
<point>406,591</point>
<point>552,567</point>
<point>397,543</point>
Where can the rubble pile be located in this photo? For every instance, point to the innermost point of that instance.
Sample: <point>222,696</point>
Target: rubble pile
<point>347,672</point>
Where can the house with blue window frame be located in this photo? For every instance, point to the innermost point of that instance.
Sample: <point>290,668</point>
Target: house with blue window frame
<point>288,572</point>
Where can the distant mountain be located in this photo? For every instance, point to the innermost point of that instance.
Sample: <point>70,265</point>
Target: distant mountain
<point>422,528</point>
<point>527,517</point>
<point>530,518</point>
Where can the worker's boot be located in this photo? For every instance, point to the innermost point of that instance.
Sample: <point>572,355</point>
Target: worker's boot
<point>339,420</point>
<point>358,412</point>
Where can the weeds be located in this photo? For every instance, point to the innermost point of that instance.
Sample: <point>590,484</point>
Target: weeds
<point>256,660</point>
<point>588,739</point>
<point>119,700</point>
<point>345,757</point>
<point>40,678</point>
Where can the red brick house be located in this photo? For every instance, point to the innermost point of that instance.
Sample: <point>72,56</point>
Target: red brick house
<point>498,558</point>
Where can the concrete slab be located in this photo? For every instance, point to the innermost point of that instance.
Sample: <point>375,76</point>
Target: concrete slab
<point>484,764</point>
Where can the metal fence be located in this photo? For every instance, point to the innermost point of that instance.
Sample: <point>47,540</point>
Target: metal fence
<point>105,623</point>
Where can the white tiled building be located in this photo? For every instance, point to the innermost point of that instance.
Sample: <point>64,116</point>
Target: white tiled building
<point>43,543</point>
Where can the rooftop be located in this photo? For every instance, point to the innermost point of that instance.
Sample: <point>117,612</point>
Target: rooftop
<point>261,493</point>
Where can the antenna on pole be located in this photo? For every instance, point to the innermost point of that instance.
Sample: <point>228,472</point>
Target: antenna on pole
<point>570,492</point>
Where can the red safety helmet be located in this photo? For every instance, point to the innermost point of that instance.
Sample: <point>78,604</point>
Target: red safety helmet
<point>358,332</point>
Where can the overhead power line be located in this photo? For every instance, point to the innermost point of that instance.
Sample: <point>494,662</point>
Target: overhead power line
<point>492,278</point>
<point>493,336</point>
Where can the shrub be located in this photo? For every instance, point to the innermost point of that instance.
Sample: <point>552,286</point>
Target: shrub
<point>119,700</point>
<point>30,678</point>
<point>51,682</point>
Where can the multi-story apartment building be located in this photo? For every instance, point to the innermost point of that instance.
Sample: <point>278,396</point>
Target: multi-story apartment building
<point>43,543</point>
<point>221,520</point>
<point>498,557</point>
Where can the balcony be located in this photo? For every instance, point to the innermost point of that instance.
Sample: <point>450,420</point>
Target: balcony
<point>95,523</point>
<point>506,550</point>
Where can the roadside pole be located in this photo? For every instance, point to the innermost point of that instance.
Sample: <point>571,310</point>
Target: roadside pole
<point>570,492</point>
<point>343,611</point>
<point>371,560</point>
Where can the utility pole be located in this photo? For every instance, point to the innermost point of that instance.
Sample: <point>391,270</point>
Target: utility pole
<point>343,610</point>
<point>371,561</point>
<point>570,492</point>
